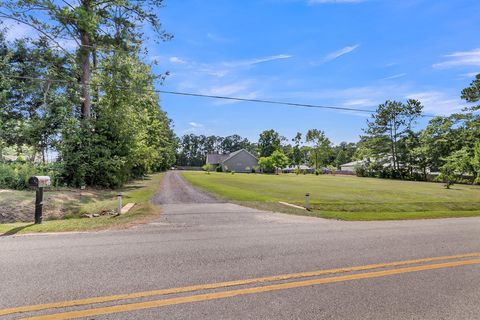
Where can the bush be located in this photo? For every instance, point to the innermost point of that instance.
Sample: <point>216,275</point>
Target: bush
<point>14,175</point>
<point>207,167</point>
<point>219,169</point>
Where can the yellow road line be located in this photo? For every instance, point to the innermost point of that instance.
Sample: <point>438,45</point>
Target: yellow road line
<point>136,295</point>
<point>233,293</point>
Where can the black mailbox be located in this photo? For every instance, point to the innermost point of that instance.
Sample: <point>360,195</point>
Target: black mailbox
<point>39,182</point>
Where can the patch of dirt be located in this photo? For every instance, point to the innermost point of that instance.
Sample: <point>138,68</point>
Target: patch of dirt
<point>14,208</point>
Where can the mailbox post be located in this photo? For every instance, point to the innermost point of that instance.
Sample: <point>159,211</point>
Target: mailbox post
<point>39,182</point>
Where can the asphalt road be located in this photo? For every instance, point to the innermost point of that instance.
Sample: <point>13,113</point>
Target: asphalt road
<point>201,241</point>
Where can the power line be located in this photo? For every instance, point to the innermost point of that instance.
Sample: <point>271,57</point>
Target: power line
<point>199,95</point>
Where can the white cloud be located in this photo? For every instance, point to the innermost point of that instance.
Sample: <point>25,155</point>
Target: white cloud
<point>241,89</point>
<point>177,60</point>
<point>337,54</point>
<point>312,2</point>
<point>395,76</point>
<point>222,69</point>
<point>470,75</point>
<point>250,62</point>
<point>195,124</point>
<point>437,103</point>
<point>217,38</point>
<point>359,103</point>
<point>460,59</point>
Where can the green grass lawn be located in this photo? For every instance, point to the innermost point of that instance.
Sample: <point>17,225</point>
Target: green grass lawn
<point>343,197</point>
<point>89,201</point>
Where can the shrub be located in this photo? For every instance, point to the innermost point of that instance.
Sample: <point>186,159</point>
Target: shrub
<point>219,169</point>
<point>207,167</point>
<point>14,175</point>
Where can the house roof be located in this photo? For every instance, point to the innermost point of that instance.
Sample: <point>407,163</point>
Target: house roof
<point>219,158</point>
<point>353,163</point>
<point>214,158</point>
<point>233,154</point>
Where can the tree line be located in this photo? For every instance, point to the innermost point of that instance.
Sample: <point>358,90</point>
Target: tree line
<point>313,149</point>
<point>447,149</point>
<point>93,105</point>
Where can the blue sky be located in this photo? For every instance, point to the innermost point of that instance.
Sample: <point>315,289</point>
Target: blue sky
<point>341,53</point>
<point>354,53</point>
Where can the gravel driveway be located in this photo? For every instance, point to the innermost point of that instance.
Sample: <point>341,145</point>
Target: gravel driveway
<point>175,190</point>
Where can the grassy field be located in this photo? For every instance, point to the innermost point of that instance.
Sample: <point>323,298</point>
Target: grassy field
<point>75,203</point>
<point>343,197</point>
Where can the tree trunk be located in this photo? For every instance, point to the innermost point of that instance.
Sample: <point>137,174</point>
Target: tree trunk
<point>85,75</point>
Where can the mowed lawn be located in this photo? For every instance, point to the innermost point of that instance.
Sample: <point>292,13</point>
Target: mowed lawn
<point>343,197</point>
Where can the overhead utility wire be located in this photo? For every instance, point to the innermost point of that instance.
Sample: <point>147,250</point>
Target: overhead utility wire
<point>291,104</point>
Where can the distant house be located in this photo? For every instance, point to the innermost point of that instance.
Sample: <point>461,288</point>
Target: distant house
<point>302,168</point>
<point>238,161</point>
<point>350,167</point>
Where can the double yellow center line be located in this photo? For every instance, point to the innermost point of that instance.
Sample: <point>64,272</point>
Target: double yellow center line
<point>237,292</point>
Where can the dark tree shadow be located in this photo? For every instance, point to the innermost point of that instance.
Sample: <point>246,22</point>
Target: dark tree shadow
<point>16,230</point>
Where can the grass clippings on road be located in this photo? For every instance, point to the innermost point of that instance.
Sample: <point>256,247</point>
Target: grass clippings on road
<point>96,201</point>
<point>343,197</point>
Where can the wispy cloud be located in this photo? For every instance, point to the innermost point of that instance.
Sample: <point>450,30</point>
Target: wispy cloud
<point>240,89</point>
<point>436,102</point>
<point>337,54</point>
<point>195,124</point>
<point>395,76</point>
<point>249,62</point>
<point>312,2</point>
<point>460,59</point>
<point>177,60</point>
<point>217,38</point>
<point>470,75</point>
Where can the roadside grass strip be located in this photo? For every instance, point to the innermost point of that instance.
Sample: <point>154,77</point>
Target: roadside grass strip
<point>418,265</point>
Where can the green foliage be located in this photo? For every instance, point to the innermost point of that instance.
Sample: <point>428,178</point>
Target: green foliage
<point>268,143</point>
<point>391,123</point>
<point>277,160</point>
<point>454,167</point>
<point>476,162</point>
<point>107,130</point>
<point>218,169</point>
<point>15,175</point>
<point>321,149</point>
<point>207,168</point>
<point>341,158</point>
<point>193,148</point>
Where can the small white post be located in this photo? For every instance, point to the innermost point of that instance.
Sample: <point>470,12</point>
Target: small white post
<point>119,195</point>
<point>307,204</point>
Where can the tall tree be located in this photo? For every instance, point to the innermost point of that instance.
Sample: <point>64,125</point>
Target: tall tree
<point>391,122</point>
<point>321,147</point>
<point>93,25</point>
<point>268,142</point>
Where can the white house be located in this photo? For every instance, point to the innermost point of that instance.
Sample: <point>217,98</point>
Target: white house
<point>350,166</point>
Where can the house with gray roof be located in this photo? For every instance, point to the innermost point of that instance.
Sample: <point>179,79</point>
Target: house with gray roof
<point>238,161</point>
